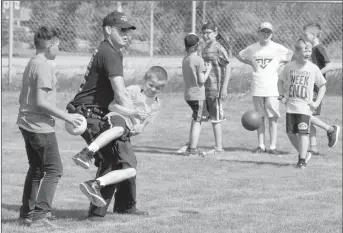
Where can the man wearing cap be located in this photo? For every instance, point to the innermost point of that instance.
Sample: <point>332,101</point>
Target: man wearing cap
<point>103,82</point>
<point>265,57</point>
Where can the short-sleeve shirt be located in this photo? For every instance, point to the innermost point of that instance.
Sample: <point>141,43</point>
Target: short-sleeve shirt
<point>217,55</point>
<point>299,81</point>
<point>192,65</point>
<point>97,90</point>
<point>140,102</point>
<point>266,61</point>
<point>319,56</point>
<point>38,74</point>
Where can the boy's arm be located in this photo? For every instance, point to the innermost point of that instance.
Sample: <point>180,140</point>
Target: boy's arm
<point>223,91</point>
<point>320,96</point>
<point>320,82</point>
<point>331,66</point>
<point>203,71</point>
<point>43,104</point>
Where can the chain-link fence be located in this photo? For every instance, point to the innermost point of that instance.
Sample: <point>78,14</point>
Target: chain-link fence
<point>161,26</point>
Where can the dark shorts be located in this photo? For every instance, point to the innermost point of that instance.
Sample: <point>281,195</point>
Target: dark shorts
<point>118,151</point>
<point>215,109</point>
<point>199,109</point>
<point>297,123</point>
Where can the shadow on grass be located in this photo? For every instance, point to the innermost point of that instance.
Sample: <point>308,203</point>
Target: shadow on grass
<point>171,151</point>
<point>261,163</point>
<point>60,214</point>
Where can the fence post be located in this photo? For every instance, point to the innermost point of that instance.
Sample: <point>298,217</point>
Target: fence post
<point>151,29</point>
<point>10,44</point>
<point>194,8</point>
<point>203,12</point>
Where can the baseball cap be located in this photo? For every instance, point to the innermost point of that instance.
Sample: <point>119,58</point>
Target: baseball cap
<point>117,19</point>
<point>265,25</point>
<point>191,39</point>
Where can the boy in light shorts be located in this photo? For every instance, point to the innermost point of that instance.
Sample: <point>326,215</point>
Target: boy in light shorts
<point>265,57</point>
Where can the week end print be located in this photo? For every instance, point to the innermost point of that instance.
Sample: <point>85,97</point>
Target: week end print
<point>299,84</point>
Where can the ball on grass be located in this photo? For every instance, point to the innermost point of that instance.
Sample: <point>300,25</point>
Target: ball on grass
<point>251,120</point>
<point>77,130</point>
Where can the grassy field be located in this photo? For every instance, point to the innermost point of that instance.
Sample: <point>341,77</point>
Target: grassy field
<point>238,192</point>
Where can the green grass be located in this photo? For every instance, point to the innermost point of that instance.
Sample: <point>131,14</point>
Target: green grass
<point>241,193</point>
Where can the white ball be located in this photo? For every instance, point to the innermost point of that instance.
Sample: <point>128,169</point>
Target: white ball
<point>78,130</point>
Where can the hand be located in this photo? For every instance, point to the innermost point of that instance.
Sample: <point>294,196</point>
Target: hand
<point>223,93</point>
<point>138,129</point>
<point>75,119</point>
<point>313,105</point>
<point>208,66</point>
<point>283,99</point>
<point>141,115</point>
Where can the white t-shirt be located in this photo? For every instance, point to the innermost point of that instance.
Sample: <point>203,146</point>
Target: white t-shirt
<point>140,102</point>
<point>266,61</point>
<point>299,81</point>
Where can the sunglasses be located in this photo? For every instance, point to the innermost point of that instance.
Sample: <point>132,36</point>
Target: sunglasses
<point>122,30</point>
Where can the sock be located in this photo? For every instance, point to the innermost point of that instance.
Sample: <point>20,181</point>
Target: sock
<point>331,129</point>
<point>302,160</point>
<point>93,147</point>
<point>262,147</point>
<point>100,182</point>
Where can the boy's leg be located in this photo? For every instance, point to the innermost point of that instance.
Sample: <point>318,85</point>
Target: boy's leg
<point>110,131</point>
<point>332,131</point>
<point>272,111</point>
<point>302,128</point>
<point>195,134</point>
<point>313,139</point>
<point>49,154</point>
<point>106,137</point>
<point>217,131</point>
<point>272,132</point>
<point>216,114</point>
<point>293,138</point>
<point>32,180</point>
<point>260,108</point>
<point>117,176</point>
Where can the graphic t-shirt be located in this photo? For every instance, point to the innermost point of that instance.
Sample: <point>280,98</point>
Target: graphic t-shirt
<point>140,102</point>
<point>38,74</point>
<point>97,90</point>
<point>299,81</point>
<point>192,65</point>
<point>217,55</point>
<point>266,60</point>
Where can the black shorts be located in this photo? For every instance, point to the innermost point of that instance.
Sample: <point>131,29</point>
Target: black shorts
<point>118,151</point>
<point>199,109</point>
<point>297,123</point>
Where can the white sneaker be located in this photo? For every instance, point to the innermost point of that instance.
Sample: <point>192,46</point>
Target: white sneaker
<point>183,149</point>
<point>215,152</point>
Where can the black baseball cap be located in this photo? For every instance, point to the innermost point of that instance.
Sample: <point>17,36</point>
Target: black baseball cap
<point>117,19</point>
<point>191,39</point>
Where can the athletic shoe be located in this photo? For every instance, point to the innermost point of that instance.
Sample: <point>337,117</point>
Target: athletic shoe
<point>259,150</point>
<point>194,151</point>
<point>183,149</point>
<point>273,152</point>
<point>132,212</point>
<point>333,136</point>
<point>91,189</point>
<point>83,158</point>
<point>214,152</point>
<point>96,218</point>
<point>24,221</point>
<point>43,222</point>
<point>301,164</point>
<point>308,156</point>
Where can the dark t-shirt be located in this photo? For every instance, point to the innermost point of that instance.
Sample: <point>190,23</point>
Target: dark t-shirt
<point>320,58</point>
<point>97,91</point>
